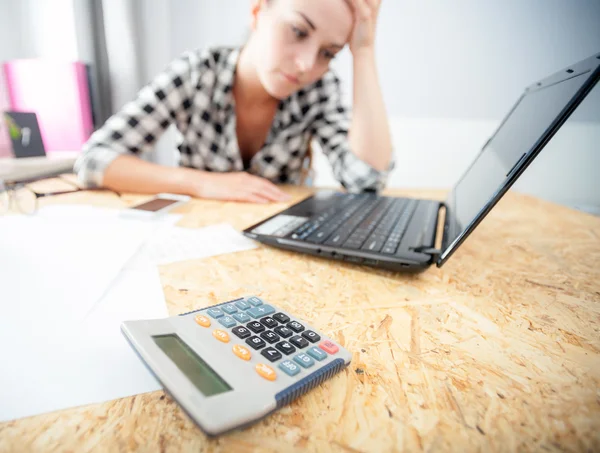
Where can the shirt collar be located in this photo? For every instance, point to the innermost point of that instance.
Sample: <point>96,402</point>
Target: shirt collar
<point>226,69</point>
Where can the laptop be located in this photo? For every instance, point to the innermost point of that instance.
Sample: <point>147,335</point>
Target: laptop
<point>402,233</point>
<point>30,162</point>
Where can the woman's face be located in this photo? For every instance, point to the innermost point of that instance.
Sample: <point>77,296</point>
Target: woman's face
<point>295,40</point>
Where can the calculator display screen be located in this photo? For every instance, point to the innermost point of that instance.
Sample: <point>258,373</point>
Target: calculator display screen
<point>204,378</point>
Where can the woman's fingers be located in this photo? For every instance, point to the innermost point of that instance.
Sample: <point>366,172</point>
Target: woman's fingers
<point>267,189</point>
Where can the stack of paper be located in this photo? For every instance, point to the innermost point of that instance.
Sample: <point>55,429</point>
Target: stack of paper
<point>69,277</point>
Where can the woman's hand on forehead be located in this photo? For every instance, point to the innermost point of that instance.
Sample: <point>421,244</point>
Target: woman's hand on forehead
<point>365,21</point>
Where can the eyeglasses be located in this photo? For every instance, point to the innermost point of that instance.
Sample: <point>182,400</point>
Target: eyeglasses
<point>24,198</point>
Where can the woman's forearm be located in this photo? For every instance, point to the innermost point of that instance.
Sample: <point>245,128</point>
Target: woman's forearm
<point>369,136</point>
<point>132,174</point>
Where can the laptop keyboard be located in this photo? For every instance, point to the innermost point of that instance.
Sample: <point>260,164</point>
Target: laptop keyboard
<point>374,224</point>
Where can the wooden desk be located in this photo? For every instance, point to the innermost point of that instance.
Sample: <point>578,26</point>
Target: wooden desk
<point>497,351</point>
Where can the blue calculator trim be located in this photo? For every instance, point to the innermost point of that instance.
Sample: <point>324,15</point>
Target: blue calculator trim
<point>301,387</point>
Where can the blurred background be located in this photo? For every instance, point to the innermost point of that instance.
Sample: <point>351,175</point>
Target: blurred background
<point>450,72</point>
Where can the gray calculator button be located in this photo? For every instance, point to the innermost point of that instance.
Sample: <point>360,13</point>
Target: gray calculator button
<point>272,354</point>
<point>255,301</point>
<point>283,331</point>
<point>311,336</point>
<point>241,332</point>
<point>285,347</point>
<point>299,342</point>
<point>260,311</point>
<point>242,317</point>
<point>227,321</point>
<point>215,312</point>
<point>289,367</point>
<point>304,360</point>
<point>295,326</point>
<point>242,305</point>
<point>316,353</point>
<point>229,309</point>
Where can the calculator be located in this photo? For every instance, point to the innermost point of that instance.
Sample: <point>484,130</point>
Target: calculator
<point>231,364</point>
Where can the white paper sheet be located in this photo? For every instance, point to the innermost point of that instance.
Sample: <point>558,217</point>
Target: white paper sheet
<point>80,363</point>
<point>56,265</point>
<point>180,244</point>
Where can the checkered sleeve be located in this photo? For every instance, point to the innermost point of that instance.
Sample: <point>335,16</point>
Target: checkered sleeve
<point>330,128</point>
<point>139,124</point>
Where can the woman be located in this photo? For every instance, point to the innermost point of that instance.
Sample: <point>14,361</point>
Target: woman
<point>246,116</point>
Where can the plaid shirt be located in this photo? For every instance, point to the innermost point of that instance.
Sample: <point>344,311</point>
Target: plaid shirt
<point>195,93</point>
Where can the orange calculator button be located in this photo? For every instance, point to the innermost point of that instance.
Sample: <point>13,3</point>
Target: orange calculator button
<point>241,352</point>
<point>266,371</point>
<point>202,320</point>
<point>221,336</point>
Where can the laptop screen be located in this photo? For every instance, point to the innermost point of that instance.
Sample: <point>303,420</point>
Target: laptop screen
<point>516,142</point>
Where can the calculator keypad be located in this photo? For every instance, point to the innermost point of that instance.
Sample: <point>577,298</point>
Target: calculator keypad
<point>281,340</point>
<point>227,321</point>
<point>269,336</point>
<point>241,332</point>
<point>283,331</point>
<point>272,354</point>
<point>280,317</point>
<point>269,322</point>
<point>311,336</point>
<point>256,342</point>
<point>242,317</point>
<point>256,327</point>
<point>285,347</point>
<point>295,326</point>
<point>299,342</point>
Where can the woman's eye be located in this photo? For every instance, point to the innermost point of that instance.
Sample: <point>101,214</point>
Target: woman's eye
<point>328,55</point>
<point>300,34</point>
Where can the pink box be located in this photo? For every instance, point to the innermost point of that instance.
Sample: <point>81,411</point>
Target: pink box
<point>5,145</point>
<point>58,93</point>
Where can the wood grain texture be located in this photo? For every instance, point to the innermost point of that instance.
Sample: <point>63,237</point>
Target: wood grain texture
<point>499,350</point>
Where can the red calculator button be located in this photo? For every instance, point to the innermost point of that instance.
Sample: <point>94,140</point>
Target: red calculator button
<point>329,347</point>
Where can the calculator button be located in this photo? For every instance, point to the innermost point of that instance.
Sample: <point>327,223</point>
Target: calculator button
<point>259,312</point>
<point>285,347</point>
<point>242,305</point>
<point>311,336</point>
<point>221,336</point>
<point>316,353</point>
<point>266,371</point>
<point>227,321</point>
<point>271,337</point>
<point>241,332</point>
<point>242,317</point>
<point>289,367</point>
<point>304,360</point>
<point>255,327</point>
<point>254,301</point>
<point>299,342</point>
<point>280,317</point>
<point>272,354</point>
<point>229,309</point>
<point>202,320</point>
<point>283,331</point>
<point>256,342</point>
<point>329,346</point>
<point>295,326</point>
<point>269,322</point>
<point>242,352</point>
<point>215,312</point>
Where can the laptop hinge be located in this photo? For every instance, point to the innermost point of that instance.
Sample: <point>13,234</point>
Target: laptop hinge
<point>429,250</point>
